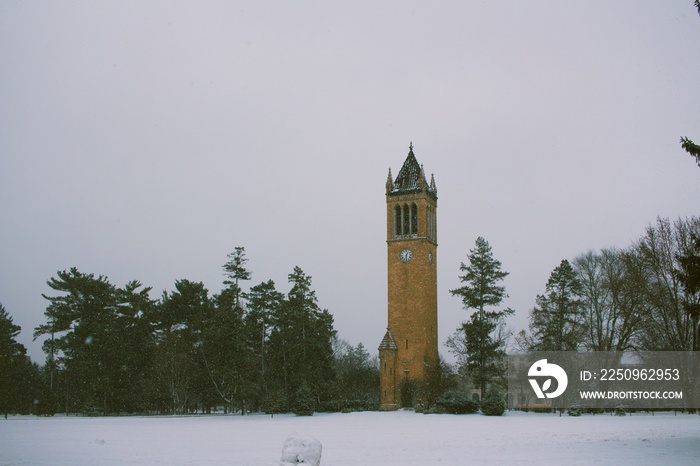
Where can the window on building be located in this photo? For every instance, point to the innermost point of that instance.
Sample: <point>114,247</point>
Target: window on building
<point>397,220</point>
<point>406,228</point>
<point>414,219</point>
<point>430,222</point>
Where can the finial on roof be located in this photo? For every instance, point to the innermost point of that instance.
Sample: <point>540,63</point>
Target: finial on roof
<point>389,183</point>
<point>433,187</point>
<point>410,147</point>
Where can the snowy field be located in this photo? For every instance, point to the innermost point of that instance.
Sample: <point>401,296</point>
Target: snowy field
<point>382,439</point>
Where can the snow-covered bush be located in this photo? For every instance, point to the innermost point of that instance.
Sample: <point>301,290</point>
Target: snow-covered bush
<point>457,402</point>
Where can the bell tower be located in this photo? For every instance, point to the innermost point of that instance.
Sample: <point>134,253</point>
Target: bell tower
<point>410,344</point>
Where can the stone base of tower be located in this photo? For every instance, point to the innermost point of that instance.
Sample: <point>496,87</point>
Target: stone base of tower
<point>388,407</point>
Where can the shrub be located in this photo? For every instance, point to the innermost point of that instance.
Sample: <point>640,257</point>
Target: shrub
<point>457,402</point>
<point>493,403</point>
<point>304,403</point>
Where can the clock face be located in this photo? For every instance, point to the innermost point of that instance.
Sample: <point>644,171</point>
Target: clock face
<point>406,255</point>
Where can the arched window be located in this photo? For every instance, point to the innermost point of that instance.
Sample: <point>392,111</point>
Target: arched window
<point>406,220</point>
<point>428,224</point>
<point>414,219</point>
<point>434,222</point>
<point>397,221</point>
<point>430,218</point>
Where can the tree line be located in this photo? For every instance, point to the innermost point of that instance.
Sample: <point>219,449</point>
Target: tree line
<point>643,297</point>
<point>113,350</point>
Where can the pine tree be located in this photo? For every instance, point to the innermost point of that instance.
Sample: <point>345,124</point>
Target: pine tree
<point>304,403</point>
<point>263,304</point>
<point>557,322</point>
<point>689,275</point>
<point>480,342</point>
<point>99,340</point>
<point>13,365</point>
<point>224,351</point>
<point>132,345</point>
<point>81,319</point>
<point>235,270</point>
<point>183,318</point>
<point>301,340</point>
<point>691,148</point>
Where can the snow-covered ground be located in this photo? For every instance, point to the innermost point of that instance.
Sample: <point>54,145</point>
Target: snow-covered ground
<point>382,439</point>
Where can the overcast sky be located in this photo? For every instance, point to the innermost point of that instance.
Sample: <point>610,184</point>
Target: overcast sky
<point>146,140</point>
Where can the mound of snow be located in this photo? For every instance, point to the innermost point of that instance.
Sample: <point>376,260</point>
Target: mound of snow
<point>300,450</point>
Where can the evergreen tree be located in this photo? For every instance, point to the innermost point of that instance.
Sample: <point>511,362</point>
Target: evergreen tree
<point>132,345</point>
<point>225,353</point>
<point>480,343</point>
<point>689,275</point>
<point>493,403</point>
<point>263,304</point>
<point>691,148</point>
<point>304,403</point>
<point>557,322</point>
<point>301,340</point>
<point>183,318</point>
<point>235,270</point>
<point>99,342</point>
<point>14,367</point>
<point>82,318</point>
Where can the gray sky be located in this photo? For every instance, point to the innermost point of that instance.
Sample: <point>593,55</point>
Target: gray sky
<point>146,140</point>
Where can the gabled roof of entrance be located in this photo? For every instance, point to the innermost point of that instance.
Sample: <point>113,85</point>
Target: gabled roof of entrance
<point>387,342</point>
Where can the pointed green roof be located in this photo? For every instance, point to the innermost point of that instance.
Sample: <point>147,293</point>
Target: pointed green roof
<point>411,177</point>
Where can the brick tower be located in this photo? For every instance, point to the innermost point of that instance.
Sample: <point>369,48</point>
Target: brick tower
<point>411,342</point>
